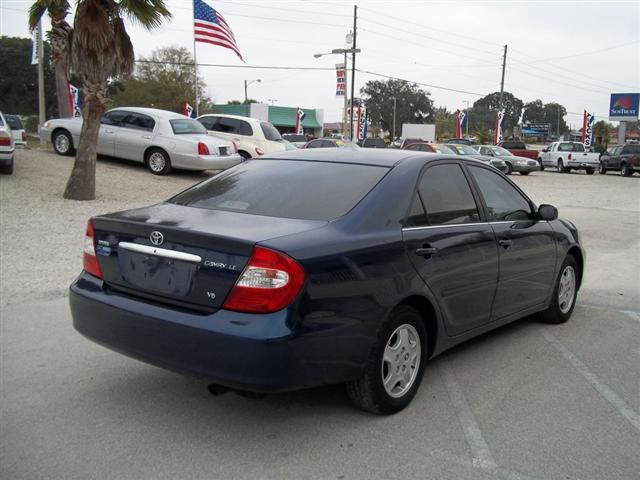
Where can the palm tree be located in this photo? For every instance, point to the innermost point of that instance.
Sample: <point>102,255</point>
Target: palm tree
<point>60,38</point>
<point>101,49</point>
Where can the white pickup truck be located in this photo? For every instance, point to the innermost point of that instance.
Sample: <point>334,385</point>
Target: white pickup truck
<point>567,156</point>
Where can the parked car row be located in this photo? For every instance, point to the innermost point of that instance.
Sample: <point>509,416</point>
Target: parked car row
<point>7,147</point>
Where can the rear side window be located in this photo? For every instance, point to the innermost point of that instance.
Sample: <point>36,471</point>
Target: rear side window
<point>285,188</point>
<point>137,121</point>
<point>227,125</point>
<point>207,122</point>
<point>632,149</point>
<point>447,196</point>
<point>14,122</point>
<point>503,201</point>
<point>114,118</point>
<point>270,132</point>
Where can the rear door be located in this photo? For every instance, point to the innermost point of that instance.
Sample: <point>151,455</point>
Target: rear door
<point>109,127</point>
<point>134,136</point>
<point>452,248</point>
<point>526,246</point>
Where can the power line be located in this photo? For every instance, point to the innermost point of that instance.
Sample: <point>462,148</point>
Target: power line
<point>420,83</point>
<point>311,12</point>
<point>225,65</point>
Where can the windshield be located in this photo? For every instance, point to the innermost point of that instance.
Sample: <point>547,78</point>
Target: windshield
<point>285,188</point>
<point>186,125</point>
<point>463,149</point>
<point>499,151</point>
<point>442,148</point>
<point>570,147</point>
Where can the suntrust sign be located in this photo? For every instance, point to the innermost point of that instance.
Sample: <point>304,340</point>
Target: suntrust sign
<point>624,106</point>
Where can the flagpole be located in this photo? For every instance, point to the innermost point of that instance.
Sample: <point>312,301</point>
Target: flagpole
<point>195,62</point>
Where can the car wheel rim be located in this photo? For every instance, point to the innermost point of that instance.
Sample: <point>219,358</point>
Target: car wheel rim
<point>157,162</point>
<point>560,167</point>
<point>401,360</point>
<point>62,143</point>
<point>567,289</point>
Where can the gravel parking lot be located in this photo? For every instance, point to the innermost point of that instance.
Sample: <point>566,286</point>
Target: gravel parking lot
<point>528,401</point>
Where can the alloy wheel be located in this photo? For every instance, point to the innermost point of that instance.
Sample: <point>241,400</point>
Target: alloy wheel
<point>401,360</point>
<point>157,162</point>
<point>567,289</point>
<point>62,143</point>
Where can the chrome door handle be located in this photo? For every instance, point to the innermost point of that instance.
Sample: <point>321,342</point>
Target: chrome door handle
<point>505,243</point>
<point>426,251</point>
<point>148,137</point>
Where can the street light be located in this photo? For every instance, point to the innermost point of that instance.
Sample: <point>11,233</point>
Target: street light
<point>393,136</point>
<point>246,84</point>
<point>342,51</point>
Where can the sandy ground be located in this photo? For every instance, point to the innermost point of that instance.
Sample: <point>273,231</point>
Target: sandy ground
<point>526,401</point>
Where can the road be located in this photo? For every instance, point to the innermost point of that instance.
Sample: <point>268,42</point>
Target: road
<point>528,401</point>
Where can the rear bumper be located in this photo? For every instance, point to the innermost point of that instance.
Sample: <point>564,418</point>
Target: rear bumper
<point>583,165</point>
<point>258,353</point>
<point>205,162</point>
<point>6,156</point>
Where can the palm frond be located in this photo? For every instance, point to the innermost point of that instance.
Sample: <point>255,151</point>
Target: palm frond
<point>148,13</point>
<point>125,57</point>
<point>92,47</point>
<point>57,9</point>
<point>36,11</point>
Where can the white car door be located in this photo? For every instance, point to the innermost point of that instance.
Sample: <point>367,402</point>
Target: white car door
<point>109,126</point>
<point>134,136</point>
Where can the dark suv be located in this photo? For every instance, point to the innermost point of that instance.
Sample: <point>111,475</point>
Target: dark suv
<point>622,158</point>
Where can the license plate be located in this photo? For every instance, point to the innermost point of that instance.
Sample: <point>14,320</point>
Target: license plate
<point>157,274</point>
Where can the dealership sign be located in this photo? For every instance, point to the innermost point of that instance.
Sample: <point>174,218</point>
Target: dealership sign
<point>624,106</point>
<point>536,129</point>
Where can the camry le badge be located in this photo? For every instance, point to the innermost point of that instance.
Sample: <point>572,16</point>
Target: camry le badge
<point>156,238</point>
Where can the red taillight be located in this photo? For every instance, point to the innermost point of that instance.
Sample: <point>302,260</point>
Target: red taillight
<point>203,149</point>
<point>24,136</point>
<point>270,281</point>
<point>259,151</point>
<point>89,260</point>
<point>569,157</point>
<point>5,141</point>
<point>235,146</point>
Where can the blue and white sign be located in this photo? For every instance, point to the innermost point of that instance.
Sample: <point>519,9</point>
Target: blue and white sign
<point>624,106</point>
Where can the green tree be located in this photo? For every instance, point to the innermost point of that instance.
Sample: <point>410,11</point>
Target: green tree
<point>100,49</point>
<point>601,132</point>
<point>241,102</point>
<point>413,104</point>
<point>19,82</point>
<point>163,80</point>
<point>554,114</point>
<point>534,112</point>
<point>445,123</point>
<point>483,114</point>
<point>60,38</point>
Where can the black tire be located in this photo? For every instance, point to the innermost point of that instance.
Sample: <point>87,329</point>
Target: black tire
<point>602,170</point>
<point>561,168</point>
<point>509,169</point>
<point>157,161</point>
<point>63,143</point>
<point>6,169</point>
<point>555,314</point>
<point>590,171</point>
<point>525,173</point>
<point>368,392</point>
<point>625,170</point>
<point>541,165</point>
<point>245,156</point>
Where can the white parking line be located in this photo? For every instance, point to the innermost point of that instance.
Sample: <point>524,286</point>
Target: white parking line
<point>482,457</point>
<point>627,412</point>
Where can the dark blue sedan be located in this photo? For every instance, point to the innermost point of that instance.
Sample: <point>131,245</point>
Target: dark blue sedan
<point>325,266</point>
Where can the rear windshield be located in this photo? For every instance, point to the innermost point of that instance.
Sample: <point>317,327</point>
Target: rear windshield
<point>270,132</point>
<point>294,138</point>
<point>514,145</point>
<point>285,188</point>
<point>461,149</point>
<point>186,125</point>
<point>14,122</point>
<point>570,147</point>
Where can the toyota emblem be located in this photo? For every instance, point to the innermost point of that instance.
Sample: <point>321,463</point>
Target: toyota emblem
<point>156,238</point>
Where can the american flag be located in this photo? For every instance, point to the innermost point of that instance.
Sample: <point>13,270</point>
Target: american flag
<point>211,27</point>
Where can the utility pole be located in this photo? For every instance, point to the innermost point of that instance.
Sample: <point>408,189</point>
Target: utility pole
<point>246,98</point>
<point>353,66</point>
<point>504,66</point>
<point>41,104</point>
<point>393,136</point>
<point>344,113</point>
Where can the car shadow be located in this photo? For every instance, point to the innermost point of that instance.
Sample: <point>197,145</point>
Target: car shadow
<point>113,162</point>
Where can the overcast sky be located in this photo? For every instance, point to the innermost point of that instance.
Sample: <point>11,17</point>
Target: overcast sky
<point>575,53</point>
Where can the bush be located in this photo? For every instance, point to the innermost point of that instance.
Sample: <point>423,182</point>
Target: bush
<point>31,124</point>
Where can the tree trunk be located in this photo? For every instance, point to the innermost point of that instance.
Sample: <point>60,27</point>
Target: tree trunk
<point>62,92</point>
<point>82,182</point>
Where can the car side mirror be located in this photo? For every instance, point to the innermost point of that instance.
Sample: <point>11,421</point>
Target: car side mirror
<point>545,150</point>
<point>547,212</point>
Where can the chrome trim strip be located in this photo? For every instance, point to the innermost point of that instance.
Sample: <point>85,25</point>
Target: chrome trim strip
<point>160,252</point>
<point>444,226</point>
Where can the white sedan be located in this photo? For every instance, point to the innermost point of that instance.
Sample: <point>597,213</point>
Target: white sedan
<point>158,138</point>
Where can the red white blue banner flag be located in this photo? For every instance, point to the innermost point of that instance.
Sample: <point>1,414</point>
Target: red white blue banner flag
<point>75,100</point>
<point>299,118</point>
<point>499,122</point>
<point>587,129</point>
<point>188,110</point>
<point>460,123</point>
<point>341,74</point>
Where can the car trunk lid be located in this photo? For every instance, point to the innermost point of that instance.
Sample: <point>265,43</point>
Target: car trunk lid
<point>186,256</point>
